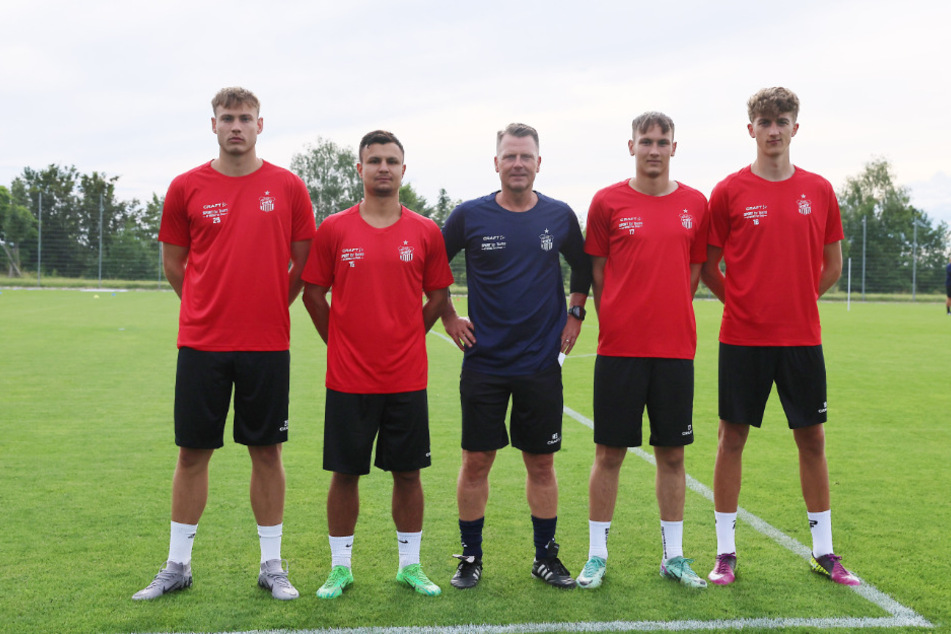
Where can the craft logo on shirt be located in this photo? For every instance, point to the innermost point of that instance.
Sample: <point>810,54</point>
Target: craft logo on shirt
<point>547,241</point>
<point>406,252</point>
<point>805,206</point>
<point>267,202</point>
<point>755,213</point>
<point>630,224</point>
<point>493,243</point>
<point>686,219</point>
<point>351,255</point>
<point>214,212</point>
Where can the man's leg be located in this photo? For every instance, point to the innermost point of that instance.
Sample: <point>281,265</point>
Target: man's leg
<point>267,503</point>
<point>670,487</point>
<point>814,478</point>
<point>343,507</point>
<point>727,477</point>
<point>728,469</point>
<point>472,488</point>
<point>189,496</point>
<point>472,496</point>
<point>541,489</point>
<point>190,485</point>
<point>407,508</point>
<point>267,484</point>
<point>407,502</point>
<point>602,497</point>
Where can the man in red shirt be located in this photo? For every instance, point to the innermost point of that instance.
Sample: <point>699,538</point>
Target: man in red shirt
<point>235,234</point>
<point>379,258</point>
<point>778,229</point>
<point>647,240</point>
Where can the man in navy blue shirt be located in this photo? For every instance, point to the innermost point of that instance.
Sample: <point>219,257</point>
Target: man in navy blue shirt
<point>516,330</point>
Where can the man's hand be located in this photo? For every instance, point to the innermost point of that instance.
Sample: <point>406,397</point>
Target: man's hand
<point>569,335</point>
<point>460,330</point>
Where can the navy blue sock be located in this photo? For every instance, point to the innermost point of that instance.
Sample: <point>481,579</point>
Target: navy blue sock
<point>544,533</point>
<point>471,533</point>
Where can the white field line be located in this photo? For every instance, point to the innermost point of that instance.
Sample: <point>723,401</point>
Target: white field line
<point>901,616</point>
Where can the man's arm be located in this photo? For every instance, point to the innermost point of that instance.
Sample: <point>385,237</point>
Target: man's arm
<point>695,268</point>
<point>597,280</point>
<point>569,334</point>
<point>435,306</point>
<point>711,274</point>
<point>174,259</point>
<point>831,266</point>
<point>315,300</point>
<point>299,251</point>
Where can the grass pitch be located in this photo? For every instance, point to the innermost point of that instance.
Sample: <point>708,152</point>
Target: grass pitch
<point>86,459</point>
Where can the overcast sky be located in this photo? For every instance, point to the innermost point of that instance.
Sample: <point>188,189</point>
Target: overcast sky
<point>123,87</point>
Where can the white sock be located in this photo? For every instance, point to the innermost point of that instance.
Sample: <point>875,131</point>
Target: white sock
<point>341,548</point>
<point>726,533</point>
<point>181,541</point>
<point>408,544</point>
<point>270,541</point>
<point>672,536</point>
<point>821,526</point>
<point>598,539</point>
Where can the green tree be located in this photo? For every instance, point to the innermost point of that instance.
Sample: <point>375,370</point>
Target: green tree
<point>330,173</point>
<point>444,207</point>
<point>900,241</point>
<point>133,250</point>
<point>411,199</point>
<point>17,232</point>
<point>73,227</point>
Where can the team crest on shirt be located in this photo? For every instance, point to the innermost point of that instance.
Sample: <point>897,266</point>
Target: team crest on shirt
<point>805,205</point>
<point>406,252</point>
<point>548,241</point>
<point>686,219</point>
<point>267,202</point>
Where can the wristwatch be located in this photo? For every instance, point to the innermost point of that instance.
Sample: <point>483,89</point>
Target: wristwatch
<point>577,312</point>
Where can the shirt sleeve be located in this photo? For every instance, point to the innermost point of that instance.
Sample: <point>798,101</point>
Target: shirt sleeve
<point>698,250</point>
<point>174,227</point>
<point>303,211</point>
<point>454,232</point>
<point>437,273</point>
<point>719,216</point>
<point>319,268</point>
<point>597,238</point>
<point>577,259</point>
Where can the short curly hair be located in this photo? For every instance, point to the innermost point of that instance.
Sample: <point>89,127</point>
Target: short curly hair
<point>773,101</point>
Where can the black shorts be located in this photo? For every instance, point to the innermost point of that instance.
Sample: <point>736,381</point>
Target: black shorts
<point>398,422</point>
<point>624,386</point>
<point>537,407</point>
<point>747,374</point>
<point>947,289</point>
<point>203,384</point>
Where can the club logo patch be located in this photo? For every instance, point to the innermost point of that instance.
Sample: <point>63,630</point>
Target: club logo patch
<point>686,219</point>
<point>547,241</point>
<point>267,202</point>
<point>406,252</point>
<point>805,206</point>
